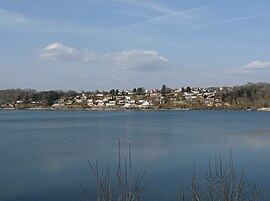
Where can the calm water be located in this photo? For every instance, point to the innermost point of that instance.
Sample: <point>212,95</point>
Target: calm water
<point>43,154</point>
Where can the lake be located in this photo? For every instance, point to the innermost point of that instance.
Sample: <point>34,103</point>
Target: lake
<point>43,154</point>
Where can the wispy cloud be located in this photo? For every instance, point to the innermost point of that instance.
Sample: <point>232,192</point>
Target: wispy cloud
<point>7,18</point>
<point>226,21</point>
<point>12,20</point>
<point>183,16</point>
<point>147,4</point>
<point>126,60</point>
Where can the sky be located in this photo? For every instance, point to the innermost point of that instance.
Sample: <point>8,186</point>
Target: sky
<point>109,44</point>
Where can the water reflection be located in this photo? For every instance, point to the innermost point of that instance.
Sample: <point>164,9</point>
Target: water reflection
<point>43,153</point>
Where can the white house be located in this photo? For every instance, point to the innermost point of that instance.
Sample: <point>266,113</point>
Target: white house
<point>111,103</point>
<point>90,102</point>
<point>145,104</point>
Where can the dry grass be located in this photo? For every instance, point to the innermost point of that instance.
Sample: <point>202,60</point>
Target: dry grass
<point>120,185</point>
<point>221,183</point>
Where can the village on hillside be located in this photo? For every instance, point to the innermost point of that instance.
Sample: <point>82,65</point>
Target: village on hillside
<point>146,99</point>
<point>166,98</point>
<point>246,97</point>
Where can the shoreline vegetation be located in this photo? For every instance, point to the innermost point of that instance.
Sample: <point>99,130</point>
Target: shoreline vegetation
<point>251,96</point>
<point>134,109</point>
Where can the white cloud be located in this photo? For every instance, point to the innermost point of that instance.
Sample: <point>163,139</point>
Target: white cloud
<point>249,68</point>
<point>7,18</point>
<point>59,52</point>
<point>138,59</point>
<point>256,65</point>
<point>89,56</point>
<point>130,60</point>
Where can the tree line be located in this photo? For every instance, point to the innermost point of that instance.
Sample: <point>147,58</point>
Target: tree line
<point>27,95</point>
<point>250,95</point>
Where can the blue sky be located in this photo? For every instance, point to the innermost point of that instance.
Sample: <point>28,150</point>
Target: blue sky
<point>105,44</point>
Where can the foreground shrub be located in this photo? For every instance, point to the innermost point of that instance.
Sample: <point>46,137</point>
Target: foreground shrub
<point>221,183</point>
<point>120,185</point>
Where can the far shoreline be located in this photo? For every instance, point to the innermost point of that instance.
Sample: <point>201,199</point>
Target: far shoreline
<point>264,109</point>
